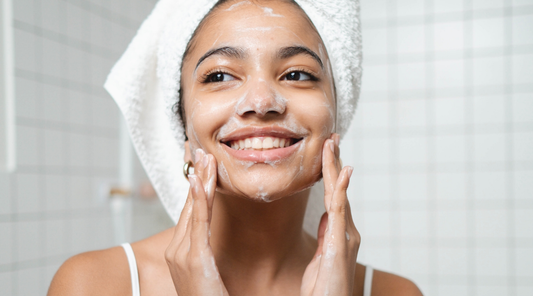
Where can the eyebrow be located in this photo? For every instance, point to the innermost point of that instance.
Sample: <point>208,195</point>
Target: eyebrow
<point>227,51</point>
<point>283,53</point>
<point>288,52</point>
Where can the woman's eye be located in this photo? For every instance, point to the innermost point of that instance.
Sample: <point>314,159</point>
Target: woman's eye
<point>219,77</point>
<point>298,76</point>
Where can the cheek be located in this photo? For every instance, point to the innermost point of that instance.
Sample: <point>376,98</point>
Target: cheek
<point>206,116</point>
<point>317,112</point>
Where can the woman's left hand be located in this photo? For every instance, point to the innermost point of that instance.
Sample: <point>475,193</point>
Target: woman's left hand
<point>332,269</point>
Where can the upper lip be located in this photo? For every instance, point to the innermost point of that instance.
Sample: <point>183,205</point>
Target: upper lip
<point>255,131</point>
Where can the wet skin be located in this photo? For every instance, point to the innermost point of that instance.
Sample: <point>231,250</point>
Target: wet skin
<point>265,74</point>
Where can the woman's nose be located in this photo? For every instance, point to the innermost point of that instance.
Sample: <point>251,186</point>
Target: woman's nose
<point>261,98</point>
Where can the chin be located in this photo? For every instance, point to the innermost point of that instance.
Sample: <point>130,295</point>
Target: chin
<point>261,191</point>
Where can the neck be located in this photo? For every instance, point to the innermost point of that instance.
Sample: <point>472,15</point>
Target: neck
<point>263,237</point>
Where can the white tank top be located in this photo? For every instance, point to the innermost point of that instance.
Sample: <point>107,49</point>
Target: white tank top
<point>135,291</point>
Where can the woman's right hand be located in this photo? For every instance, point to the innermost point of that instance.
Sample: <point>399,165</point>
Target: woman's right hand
<point>189,255</point>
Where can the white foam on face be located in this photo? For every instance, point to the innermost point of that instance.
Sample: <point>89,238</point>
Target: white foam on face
<point>191,132</point>
<point>224,174</point>
<point>270,12</point>
<point>260,29</point>
<point>280,100</point>
<point>210,183</point>
<point>297,170</point>
<point>236,5</point>
<point>260,103</point>
<point>247,164</point>
<point>267,11</point>
<point>317,162</point>
<point>289,124</point>
<point>261,194</point>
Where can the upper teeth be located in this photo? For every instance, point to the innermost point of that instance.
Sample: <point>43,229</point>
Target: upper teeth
<point>260,143</point>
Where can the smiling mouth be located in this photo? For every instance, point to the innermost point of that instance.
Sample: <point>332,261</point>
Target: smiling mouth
<point>261,143</point>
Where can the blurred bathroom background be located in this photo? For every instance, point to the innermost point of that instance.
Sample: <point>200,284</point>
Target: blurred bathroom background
<point>442,143</point>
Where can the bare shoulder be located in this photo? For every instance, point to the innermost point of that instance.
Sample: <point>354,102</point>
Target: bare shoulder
<point>385,283</point>
<point>104,272</point>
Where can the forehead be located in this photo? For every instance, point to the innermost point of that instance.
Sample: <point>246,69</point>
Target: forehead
<point>257,24</point>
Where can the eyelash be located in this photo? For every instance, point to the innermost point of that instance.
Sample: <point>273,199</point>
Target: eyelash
<point>305,71</point>
<point>205,77</point>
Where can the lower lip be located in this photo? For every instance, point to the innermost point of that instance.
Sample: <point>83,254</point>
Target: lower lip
<point>263,155</point>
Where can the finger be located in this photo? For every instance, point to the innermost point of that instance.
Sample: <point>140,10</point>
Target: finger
<point>200,217</point>
<point>336,150</point>
<point>183,221</point>
<point>211,181</point>
<point>320,235</point>
<point>193,180</point>
<point>207,172</point>
<point>199,163</point>
<point>339,205</point>
<point>180,230</point>
<point>329,171</point>
<point>185,216</point>
<point>187,208</point>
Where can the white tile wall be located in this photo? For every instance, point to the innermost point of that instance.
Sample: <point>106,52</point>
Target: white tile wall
<point>442,142</point>
<point>67,138</point>
<point>484,4</point>
<point>6,232</point>
<point>488,33</point>
<point>449,35</point>
<point>448,170</point>
<point>410,8</point>
<point>489,110</point>
<point>410,39</point>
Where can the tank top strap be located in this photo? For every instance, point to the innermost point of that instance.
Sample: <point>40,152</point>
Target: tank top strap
<point>367,288</point>
<point>135,291</point>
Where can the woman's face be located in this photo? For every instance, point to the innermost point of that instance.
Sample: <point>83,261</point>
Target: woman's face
<point>258,95</point>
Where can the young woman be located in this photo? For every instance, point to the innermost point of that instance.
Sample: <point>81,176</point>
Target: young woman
<point>259,107</point>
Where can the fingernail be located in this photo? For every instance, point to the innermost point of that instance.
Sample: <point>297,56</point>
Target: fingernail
<point>350,171</point>
<point>337,139</point>
<point>331,146</point>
